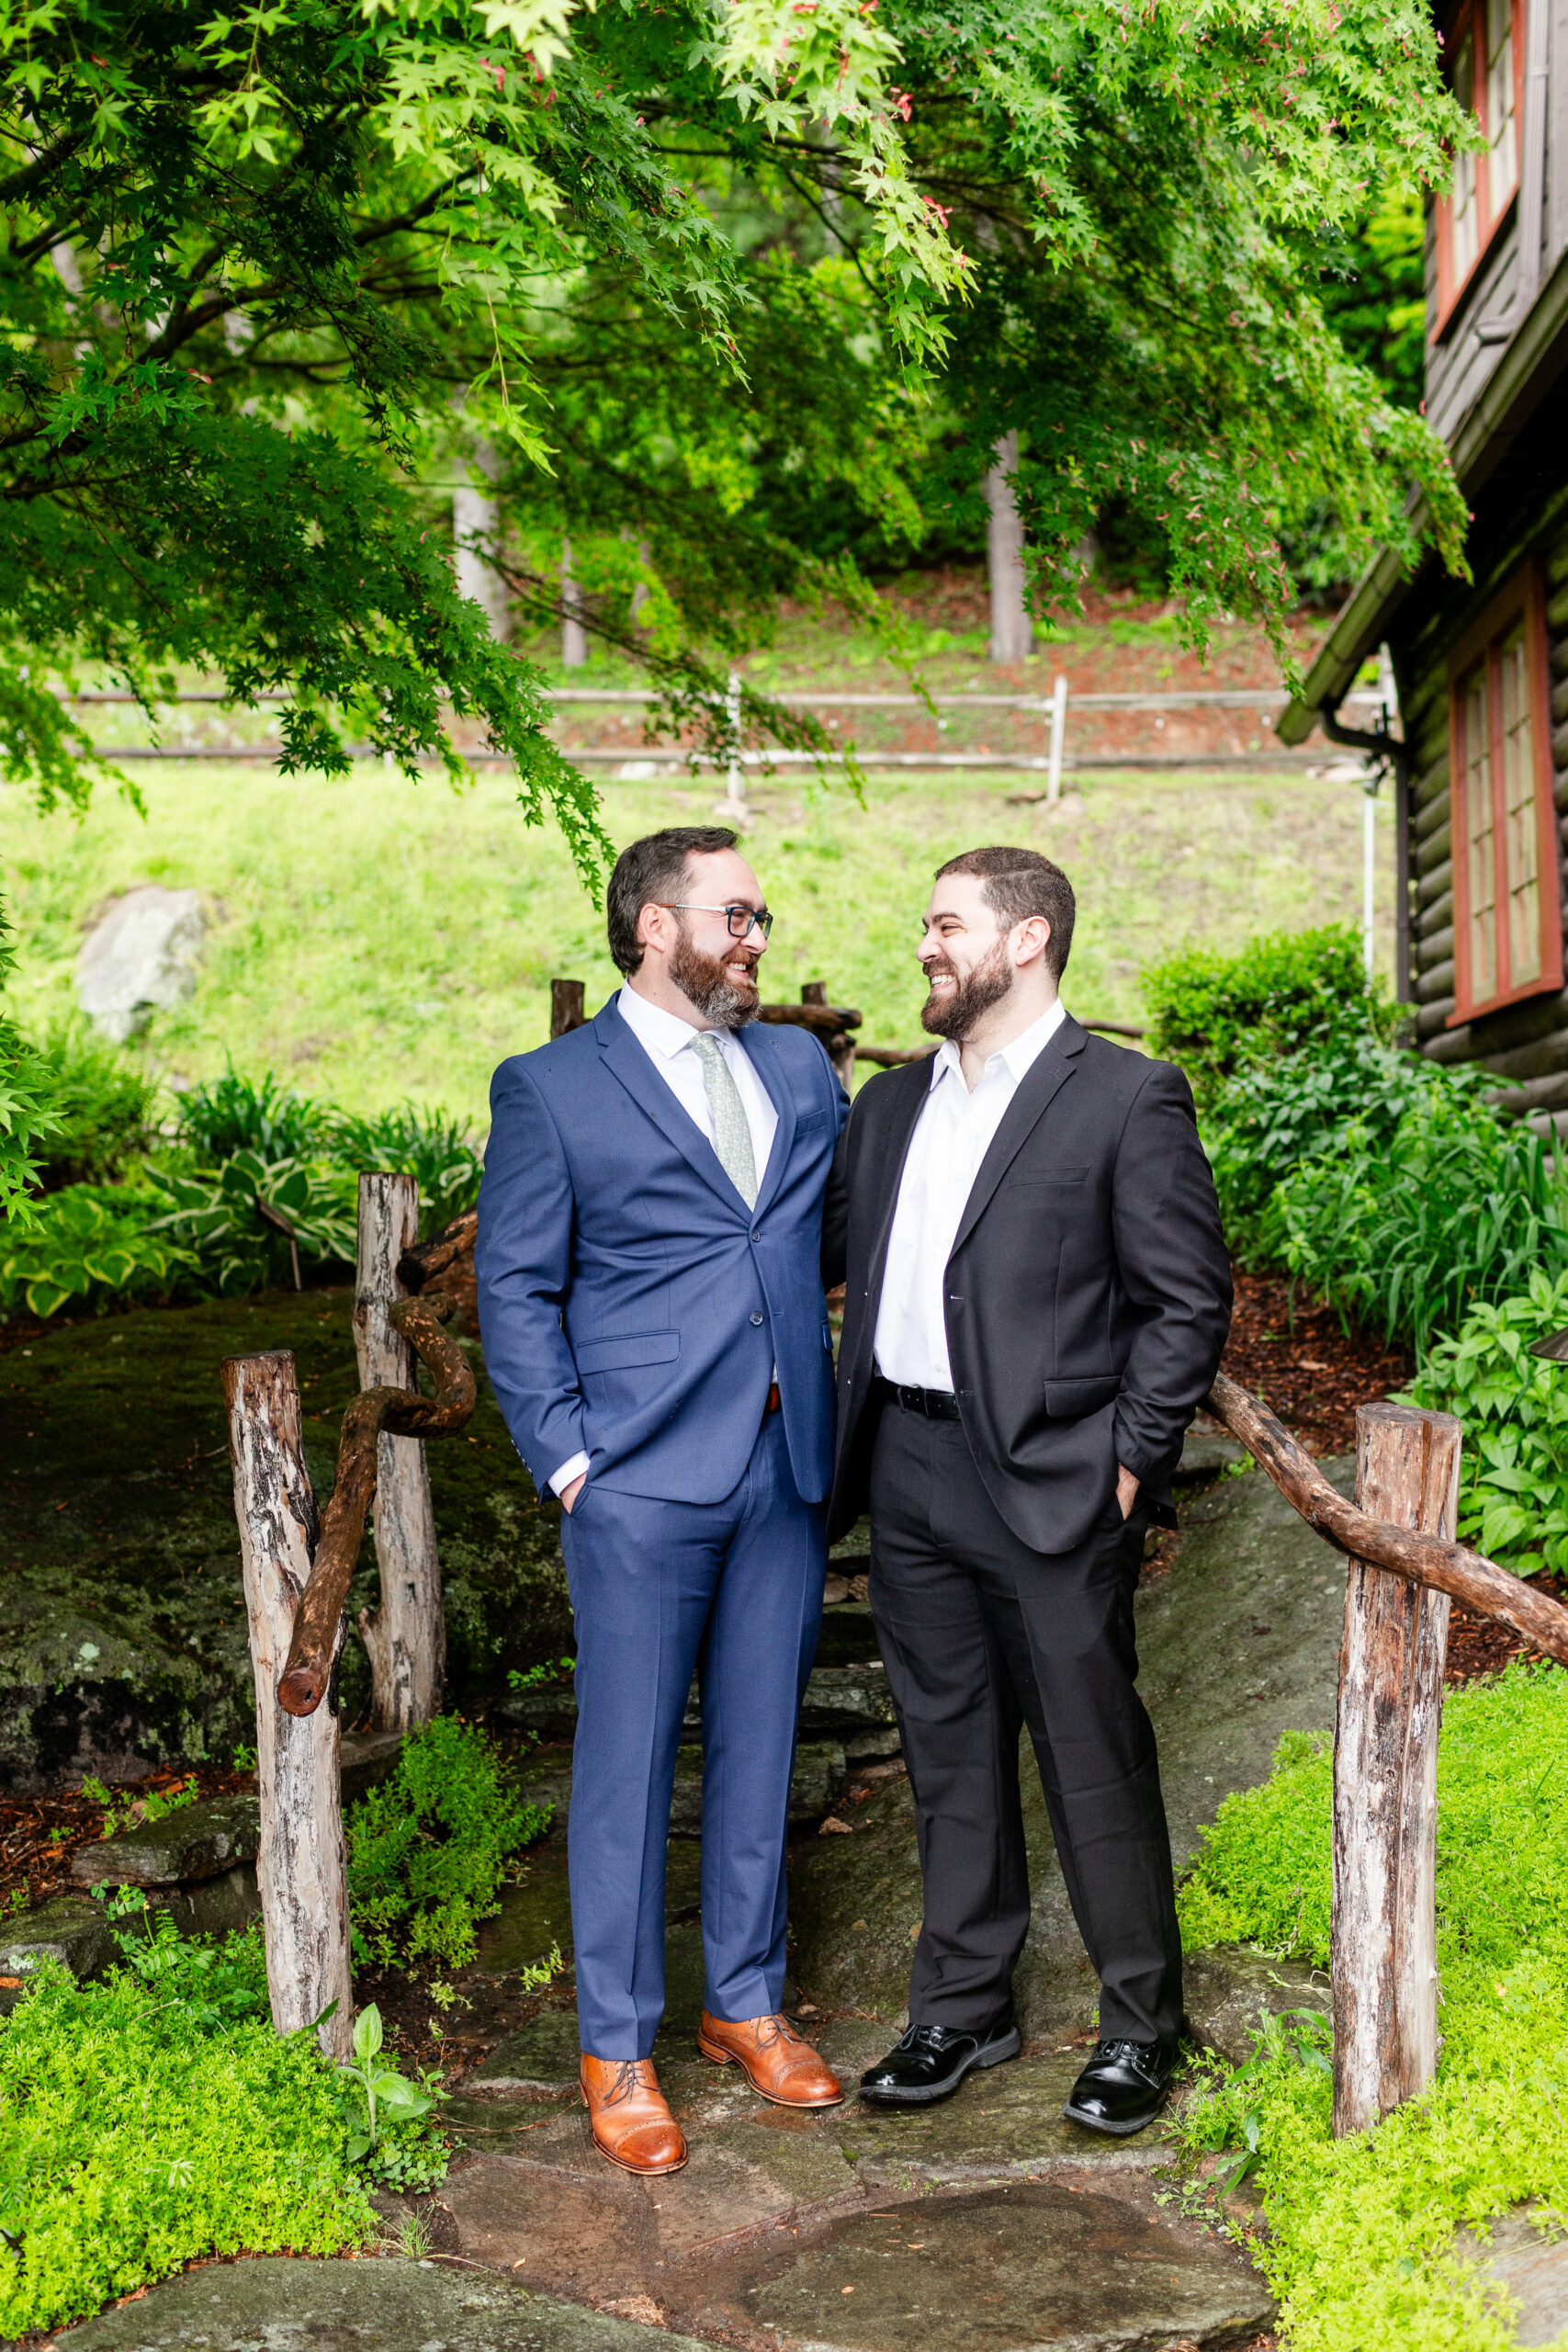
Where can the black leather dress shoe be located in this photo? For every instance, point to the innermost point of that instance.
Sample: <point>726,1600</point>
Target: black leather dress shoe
<point>1124,2086</point>
<point>931,2061</point>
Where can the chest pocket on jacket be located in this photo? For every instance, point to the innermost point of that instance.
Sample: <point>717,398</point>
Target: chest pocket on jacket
<point>1054,1176</point>
<point>811,1123</point>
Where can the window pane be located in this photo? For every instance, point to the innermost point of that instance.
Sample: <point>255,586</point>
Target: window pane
<point>1519,834</point>
<point>1503,164</point>
<point>1479,848</point>
<point>1463,225</point>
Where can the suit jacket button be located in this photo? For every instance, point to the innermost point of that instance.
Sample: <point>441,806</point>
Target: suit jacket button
<point>756,1314</point>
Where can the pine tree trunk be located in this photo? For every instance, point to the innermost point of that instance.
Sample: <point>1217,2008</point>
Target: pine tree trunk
<point>1385,1769</point>
<point>301,1865</point>
<point>406,1637</point>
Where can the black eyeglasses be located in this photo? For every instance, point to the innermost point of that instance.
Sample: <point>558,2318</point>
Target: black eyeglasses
<point>739,919</point>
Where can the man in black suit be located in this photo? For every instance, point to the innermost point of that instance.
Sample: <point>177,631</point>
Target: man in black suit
<point>1037,1296</point>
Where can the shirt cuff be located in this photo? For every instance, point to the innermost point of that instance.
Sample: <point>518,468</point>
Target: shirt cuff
<point>560,1479</point>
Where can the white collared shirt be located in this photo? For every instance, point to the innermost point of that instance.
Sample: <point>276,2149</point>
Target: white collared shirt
<point>666,1039</point>
<point>952,1137</point>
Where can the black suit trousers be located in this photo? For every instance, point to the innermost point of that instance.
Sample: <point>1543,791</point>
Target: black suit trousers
<point>981,1636</point>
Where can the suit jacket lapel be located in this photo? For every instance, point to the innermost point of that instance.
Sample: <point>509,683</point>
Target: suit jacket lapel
<point>631,1065</point>
<point>1037,1089</point>
<point>772,1078</point>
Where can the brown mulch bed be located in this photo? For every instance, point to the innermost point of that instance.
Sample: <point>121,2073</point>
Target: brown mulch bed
<point>39,1834</point>
<point>1296,1355</point>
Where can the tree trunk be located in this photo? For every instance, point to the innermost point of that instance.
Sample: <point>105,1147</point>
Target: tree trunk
<point>476,528</point>
<point>406,1637</point>
<point>300,1866</point>
<point>573,635</point>
<point>1385,1770</point>
<point>1011,634</point>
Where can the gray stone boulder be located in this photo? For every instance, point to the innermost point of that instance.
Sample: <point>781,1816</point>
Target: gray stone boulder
<point>72,1928</point>
<point>139,958</point>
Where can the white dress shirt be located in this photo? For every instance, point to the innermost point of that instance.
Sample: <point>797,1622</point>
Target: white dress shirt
<point>951,1137</point>
<point>666,1039</point>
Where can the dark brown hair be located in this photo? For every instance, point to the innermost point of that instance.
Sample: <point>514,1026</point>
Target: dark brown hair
<point>1019,883</point>
<point>650,873</point>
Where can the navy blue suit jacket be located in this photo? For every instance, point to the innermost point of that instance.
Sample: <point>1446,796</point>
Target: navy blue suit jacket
<point>631,1306</point>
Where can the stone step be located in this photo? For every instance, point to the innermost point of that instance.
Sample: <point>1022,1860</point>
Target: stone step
<point>391,2306</point>
<point>208,1839</point>
<point>848,1703</point>
<point>988,2222</point>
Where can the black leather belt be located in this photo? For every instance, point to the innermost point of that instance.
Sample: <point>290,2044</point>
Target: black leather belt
<point>936,1404</point>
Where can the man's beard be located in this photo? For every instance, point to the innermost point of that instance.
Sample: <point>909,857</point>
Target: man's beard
<point>955,1015</point>
<point>704,980</point>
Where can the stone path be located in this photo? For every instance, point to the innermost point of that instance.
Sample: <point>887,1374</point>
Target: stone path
<point>987,2226</point>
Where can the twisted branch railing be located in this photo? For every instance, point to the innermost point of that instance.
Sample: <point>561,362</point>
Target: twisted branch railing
<point>422,1322</point>
<point>1466,1575</point>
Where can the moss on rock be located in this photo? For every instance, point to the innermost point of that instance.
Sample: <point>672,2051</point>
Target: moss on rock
<point>122,1622</point>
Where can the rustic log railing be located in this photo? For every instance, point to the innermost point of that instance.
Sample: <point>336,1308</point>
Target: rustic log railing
<point>1404,1569</point>
<point>406,1637</point>
<point>296,1567</point>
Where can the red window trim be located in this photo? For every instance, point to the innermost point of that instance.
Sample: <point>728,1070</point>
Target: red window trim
<point>1526,595</point>
<point>1470,15</point>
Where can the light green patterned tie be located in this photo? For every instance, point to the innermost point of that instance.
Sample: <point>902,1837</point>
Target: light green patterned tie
<point>731,1130</point>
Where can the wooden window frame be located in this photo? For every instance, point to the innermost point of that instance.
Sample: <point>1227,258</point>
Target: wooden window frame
<point>1491,214</point>
<point>1523,599</point>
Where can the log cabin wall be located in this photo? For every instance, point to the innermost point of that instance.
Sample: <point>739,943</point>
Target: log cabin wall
<point>1527,1043</point>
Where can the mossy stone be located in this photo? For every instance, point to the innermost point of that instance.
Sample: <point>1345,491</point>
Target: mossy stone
<point>122,1623</point>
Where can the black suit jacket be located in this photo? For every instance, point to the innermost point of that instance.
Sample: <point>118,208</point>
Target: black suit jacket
<point>1087,1295</point>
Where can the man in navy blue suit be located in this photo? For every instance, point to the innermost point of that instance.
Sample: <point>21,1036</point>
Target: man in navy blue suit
<point>650,1298</point>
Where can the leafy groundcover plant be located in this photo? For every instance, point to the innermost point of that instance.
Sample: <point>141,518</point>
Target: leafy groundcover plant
<point>1359,2243</point>
<point>155,2118</point>
<point>429,1851</point>
<point>1513,1500</point>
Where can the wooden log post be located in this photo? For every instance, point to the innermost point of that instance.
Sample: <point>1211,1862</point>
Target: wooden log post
<point>301,1865</point>
<point>1385,1960</point>
<point>841,1046</point>
<point>406,1636</point>
<point>567,1006</point>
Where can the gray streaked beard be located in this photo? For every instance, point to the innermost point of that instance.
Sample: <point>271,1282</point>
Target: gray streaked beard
<point>705,982</point>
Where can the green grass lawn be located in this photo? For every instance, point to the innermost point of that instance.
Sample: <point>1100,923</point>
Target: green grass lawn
<point>372,938</point>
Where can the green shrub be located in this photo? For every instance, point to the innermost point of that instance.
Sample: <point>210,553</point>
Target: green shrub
<point>425,1143</point>
<point>1215,1014</point>
<point>1343,1093</point>
<point>27,1118</point>
<point>1359,2231</point>
<point>1513,1501</point>
<point>104,1106</point>
<point>155,2118</point>
<point>234,1113</point>
<point>1412,1229</point>
<point>428,1851</point>
<point>89,1245</point>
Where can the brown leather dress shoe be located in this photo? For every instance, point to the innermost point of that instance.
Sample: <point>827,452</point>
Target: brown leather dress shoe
<point>628,2115</point>
<point>774,2059</point>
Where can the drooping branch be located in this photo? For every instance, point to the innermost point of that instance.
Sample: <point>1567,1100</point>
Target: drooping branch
<point>1467,1576</point>
<point>420,1321</point>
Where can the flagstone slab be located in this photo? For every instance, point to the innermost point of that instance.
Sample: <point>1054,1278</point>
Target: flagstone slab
<point>1529,2266</point>
<point>1015,2269</point>
<point>378,2306</point>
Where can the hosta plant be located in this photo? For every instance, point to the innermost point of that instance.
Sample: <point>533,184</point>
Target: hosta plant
<point>1514,1476</point>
